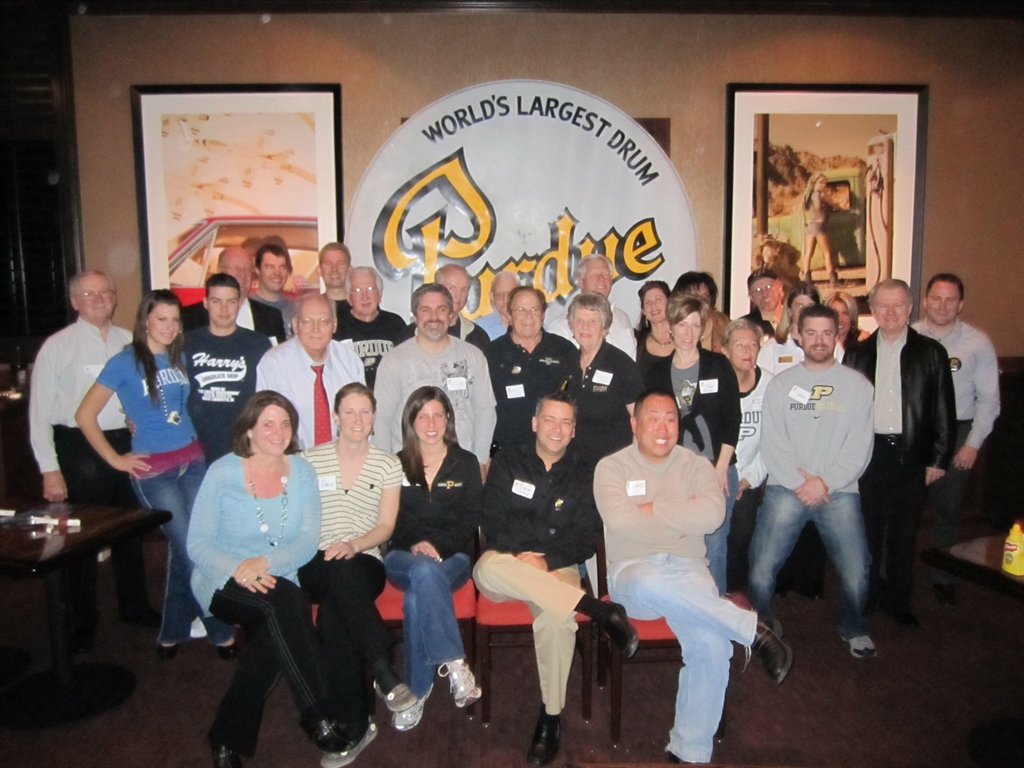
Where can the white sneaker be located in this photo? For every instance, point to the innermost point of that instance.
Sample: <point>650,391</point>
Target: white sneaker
<point>339,759</point>
<point>409,718</point>
<point>862,647</point>
<point>198,629</point>
<point>462,682</point>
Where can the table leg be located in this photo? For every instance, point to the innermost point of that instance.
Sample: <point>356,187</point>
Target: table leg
<point>60,625</point>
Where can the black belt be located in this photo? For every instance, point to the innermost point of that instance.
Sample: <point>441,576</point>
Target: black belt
<point>892,440</point>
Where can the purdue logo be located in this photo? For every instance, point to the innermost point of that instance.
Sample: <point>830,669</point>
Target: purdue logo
<point>820,391</point>
<point>955,364</point>
<point>526,177</point>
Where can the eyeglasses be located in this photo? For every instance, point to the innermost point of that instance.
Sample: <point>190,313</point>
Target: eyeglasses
<point>315,322</point>
<point>763,288</point>
<point>524,311</point>
<point>106,293</point>
<point>369,291</point>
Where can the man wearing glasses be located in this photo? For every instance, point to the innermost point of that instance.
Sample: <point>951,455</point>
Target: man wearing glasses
<point>372,330</point>
<point>525,364</point>
<point>310,368</point>
<point>65,368</point>
<point>765,290</point>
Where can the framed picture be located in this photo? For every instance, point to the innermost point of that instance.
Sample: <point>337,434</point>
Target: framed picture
<point>223,165</point>
<point>825,183</point>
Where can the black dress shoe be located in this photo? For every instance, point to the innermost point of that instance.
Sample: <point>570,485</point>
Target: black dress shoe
<point>328,736</point>
<point>622,634</point>
<point>228,652</point>
<point>545,739</point>
<point>166,652</point>
<point>906,619</point>
<point>225,758</point>
<point>144,617</point>
<point>776,656</point>
<point>945,593</point>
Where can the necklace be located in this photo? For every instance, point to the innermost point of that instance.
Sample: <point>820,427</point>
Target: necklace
<point>659,342</point>
<point>172,417</point>
<point>264,528</point>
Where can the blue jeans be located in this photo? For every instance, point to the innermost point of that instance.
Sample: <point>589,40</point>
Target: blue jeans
<point>174,491</point>
<point>680,590</point>
<point>841,525</point>
<point>428,612</point>
<point>716,542</point>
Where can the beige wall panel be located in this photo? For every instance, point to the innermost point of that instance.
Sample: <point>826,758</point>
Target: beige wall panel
<point>391,66</point>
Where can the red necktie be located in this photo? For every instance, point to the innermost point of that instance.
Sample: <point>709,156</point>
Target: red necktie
<point>321,408</point>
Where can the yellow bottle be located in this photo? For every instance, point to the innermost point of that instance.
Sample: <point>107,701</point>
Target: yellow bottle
<point>1013,552</point>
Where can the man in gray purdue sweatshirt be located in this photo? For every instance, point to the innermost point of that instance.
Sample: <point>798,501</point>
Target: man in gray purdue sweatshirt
<point>817,437</point>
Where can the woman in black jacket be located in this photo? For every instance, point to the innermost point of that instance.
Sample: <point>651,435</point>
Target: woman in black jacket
<point>438,514</point>
<point>707,393</point>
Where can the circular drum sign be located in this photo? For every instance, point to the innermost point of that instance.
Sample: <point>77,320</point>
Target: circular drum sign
<point>523,176</point>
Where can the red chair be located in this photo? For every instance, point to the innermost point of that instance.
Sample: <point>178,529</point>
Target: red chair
<point>513,617</point>
<point>653,635</point>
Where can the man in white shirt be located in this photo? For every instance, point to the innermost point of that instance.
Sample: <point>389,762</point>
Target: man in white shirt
<point>594,275</point>
<point>310,368</point>
<point>975,369</point>
<point>435,357</point>
<point>262,318</point>
<point>65,368</point>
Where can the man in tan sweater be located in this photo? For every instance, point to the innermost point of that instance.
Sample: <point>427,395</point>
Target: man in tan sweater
<point>657,501</point>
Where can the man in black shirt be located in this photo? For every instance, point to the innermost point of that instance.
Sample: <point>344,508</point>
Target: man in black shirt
<point>334,262</point>
<point>540,522</point>
<point>372,330</point>
<point>525,364</point>
<point>221,360</point>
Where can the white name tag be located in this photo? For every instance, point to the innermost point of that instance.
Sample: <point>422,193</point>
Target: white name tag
<point>520,488</point>
<point>515,391</point>
<point>456,383</point>
<point>602,377</point>
<point>708,386</point>
<point>636,487</point>
<point>802,396</point>
<point>405,481</point>
<point>327,482</point>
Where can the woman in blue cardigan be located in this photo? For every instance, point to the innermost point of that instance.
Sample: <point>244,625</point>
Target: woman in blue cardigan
<point>255,521</point>
<point>707,393</point>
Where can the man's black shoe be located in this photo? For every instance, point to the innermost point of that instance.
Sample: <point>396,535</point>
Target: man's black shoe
<point>776,656</point>
<point>623,634</point>
<point>945,593</point>
<point>146,617</point>
<point>545,739</point>
<point>328,736</point>
<point>906,619</point>
<point>225,758</point>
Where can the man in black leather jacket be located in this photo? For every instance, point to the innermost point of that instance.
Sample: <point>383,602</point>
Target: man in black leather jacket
<point>915,429</point>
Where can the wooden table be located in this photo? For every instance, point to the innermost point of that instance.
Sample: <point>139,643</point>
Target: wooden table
<point>978,561</point>
<point>67,692</point>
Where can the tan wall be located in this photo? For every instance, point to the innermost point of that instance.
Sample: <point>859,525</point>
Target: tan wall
<point>391,66</point>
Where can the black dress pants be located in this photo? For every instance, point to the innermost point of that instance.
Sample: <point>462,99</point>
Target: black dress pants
<point>90,480</point>
<point>281,641</point>
<point>892,497</point>
<point>350,627</point>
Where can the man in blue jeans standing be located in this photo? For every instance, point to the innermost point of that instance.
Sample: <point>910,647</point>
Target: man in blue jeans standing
<point>817,436</point>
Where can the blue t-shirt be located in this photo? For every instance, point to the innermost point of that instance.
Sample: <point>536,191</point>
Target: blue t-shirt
<point>154,432</point>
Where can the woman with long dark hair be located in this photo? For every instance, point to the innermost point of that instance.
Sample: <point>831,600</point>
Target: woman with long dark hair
<point>166,462</point>
<point>429,550</point>
<point>653,335</point>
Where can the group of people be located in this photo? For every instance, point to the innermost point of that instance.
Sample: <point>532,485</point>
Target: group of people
<point>312,450</point>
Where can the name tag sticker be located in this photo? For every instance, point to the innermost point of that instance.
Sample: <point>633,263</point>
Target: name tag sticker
<point>636,487</point>
<point>785,358</point>
<point>327,482</point>
<point>520,488</point>
<point>708,386</point>
<point>802,396</point>
<point>602,377</point>
<point>514,391</point>
<point>456,383</point>
<point>93,370</point>
<point>405,481</point>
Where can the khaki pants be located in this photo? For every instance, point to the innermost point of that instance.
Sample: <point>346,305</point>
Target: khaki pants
<point>552,597</point>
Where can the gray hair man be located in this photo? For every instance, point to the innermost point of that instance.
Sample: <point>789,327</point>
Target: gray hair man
<point>372,331</point>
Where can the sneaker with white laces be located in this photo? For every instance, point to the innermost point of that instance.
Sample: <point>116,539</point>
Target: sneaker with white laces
<point>339,759</point>
<point>409,718</point>
<point>463,684</point>
<point>861,647</point>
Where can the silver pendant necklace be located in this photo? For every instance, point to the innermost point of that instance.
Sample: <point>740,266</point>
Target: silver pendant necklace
<point>264,528</point>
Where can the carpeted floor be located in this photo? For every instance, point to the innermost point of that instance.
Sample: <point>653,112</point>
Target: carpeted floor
<point>913,705</point>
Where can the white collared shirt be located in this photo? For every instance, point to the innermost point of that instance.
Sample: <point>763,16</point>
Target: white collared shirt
<point>287,369</point>
<point>65,368</point>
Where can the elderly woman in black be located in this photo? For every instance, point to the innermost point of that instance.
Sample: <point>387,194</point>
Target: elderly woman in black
<point>604,383</point>
<point>707,393</point>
